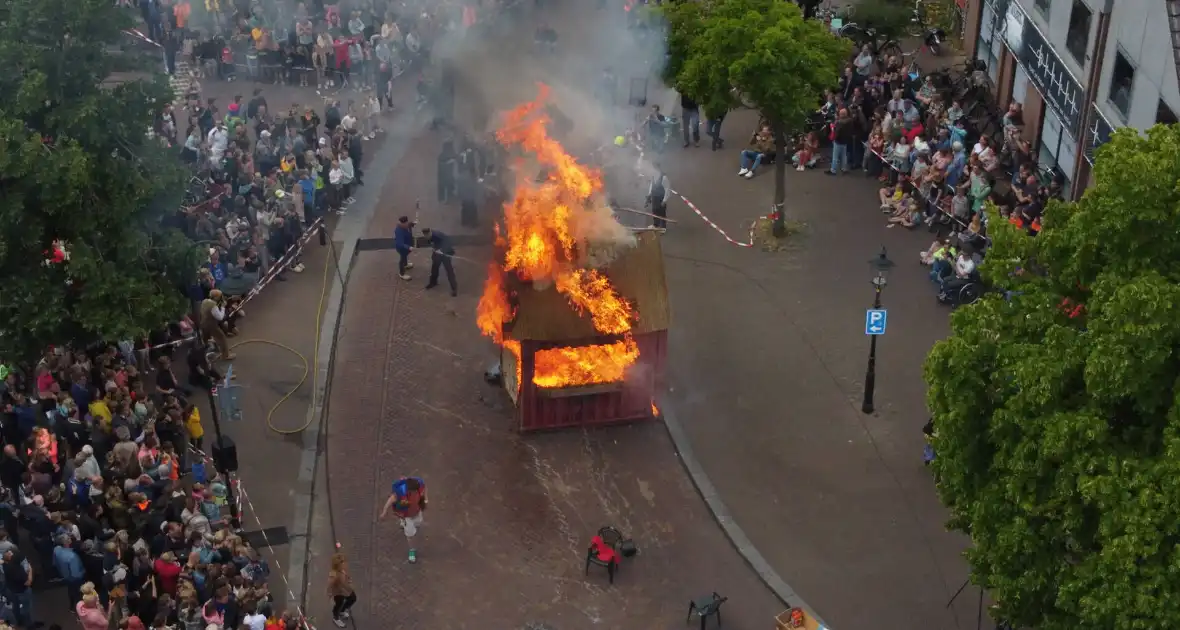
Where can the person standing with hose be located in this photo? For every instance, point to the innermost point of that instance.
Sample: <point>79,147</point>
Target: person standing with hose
<point>441,257</point>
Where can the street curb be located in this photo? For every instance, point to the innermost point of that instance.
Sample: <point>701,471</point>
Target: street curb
<point>348,232</point>
<point>736,535</point>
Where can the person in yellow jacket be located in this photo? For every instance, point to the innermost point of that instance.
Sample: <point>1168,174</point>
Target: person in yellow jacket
<point>192,424</point>
<point>101,411</point>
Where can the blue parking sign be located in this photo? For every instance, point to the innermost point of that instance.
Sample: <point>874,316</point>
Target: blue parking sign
<point>875,319</point>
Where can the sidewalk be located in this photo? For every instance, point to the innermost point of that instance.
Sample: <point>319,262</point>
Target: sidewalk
<point>276,359</point>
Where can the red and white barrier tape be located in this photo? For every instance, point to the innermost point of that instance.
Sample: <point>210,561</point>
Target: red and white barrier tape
<point>291,599</point>
<point>242,501</point>
<point>279,266</point>
<point>692,206</point>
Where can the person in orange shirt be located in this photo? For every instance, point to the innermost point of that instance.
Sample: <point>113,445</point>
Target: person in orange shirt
<point>181,12</point>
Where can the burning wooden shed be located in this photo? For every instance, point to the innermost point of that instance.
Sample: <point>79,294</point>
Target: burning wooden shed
<point>561,371</point>
<point>576,302</point>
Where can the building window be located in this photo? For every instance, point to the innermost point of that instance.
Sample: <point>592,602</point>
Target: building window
<point>991,40</point>
<point>1164,114</point>
<point>1057,148</point>
<point>1078,37</point>
<point>1019,85</point>
<point>1122,84</point>
<point>1043,7</point>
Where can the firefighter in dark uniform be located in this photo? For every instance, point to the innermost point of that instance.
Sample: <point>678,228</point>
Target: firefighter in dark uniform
<point>467,167</point>
<point>441,253</point>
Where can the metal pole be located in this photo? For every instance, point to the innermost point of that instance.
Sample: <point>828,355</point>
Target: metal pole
<point>234,518</point>
<point>979,613</point>
<point>871,372</point>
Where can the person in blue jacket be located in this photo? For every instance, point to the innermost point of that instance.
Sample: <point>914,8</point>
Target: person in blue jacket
<point>403,242</point>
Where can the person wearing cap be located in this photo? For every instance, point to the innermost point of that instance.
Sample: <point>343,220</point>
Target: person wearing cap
<point>403,243</point>
<point>441,253</point>
<point>212,314</point>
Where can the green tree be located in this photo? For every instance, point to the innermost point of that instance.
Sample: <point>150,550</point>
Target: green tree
<point>77,166</point>
<point>1056,409</point>
<point>761,53</point>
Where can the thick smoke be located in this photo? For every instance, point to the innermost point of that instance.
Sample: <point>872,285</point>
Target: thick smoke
<point>499,68</point>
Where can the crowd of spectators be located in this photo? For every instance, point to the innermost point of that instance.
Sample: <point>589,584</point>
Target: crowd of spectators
<point>939,166</point>
<point>104,490</point>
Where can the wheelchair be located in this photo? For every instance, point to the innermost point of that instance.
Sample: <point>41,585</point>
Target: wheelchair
<point>955,292</point>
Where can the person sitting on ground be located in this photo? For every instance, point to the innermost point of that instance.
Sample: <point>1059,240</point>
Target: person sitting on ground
<point>940,249</point>
<point>908,214</point>
<point>808,153</point>
<point>890,197</point>
<point>761,149</point>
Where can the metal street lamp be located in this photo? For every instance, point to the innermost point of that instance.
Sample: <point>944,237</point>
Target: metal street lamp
<point>881,265</point>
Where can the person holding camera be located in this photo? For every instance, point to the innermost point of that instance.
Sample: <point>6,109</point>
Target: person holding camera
<point>212,314</point>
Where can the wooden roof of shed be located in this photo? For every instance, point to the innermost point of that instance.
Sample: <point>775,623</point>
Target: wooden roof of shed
<point>637,275</point>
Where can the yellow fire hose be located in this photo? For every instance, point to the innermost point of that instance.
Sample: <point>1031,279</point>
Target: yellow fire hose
<point>308,366</point>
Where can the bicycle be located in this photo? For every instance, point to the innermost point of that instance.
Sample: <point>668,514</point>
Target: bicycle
<point>931,37</point>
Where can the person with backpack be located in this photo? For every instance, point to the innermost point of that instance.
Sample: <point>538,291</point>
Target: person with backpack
<point>408,502</point>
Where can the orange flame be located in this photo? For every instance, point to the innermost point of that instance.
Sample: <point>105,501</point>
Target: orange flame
<point>540,245</point>
<point>585,365</point>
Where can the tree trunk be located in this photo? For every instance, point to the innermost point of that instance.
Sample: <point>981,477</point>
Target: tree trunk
<point>781,160</point>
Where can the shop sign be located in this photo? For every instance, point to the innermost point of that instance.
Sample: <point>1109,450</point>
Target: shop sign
<point>1100,132</point>
<point>1045,69</point>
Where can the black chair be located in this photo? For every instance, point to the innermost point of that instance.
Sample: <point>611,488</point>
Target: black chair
<point>705,607</point>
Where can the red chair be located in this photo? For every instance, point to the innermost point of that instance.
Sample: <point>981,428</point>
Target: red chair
<point>603,555</point>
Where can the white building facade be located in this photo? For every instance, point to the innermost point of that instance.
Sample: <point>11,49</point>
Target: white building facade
<point>1081,68</point>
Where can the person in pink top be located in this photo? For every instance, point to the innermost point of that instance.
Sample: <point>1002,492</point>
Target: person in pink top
<point>90,611</point>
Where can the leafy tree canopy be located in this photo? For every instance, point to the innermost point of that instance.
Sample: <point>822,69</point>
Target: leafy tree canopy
<point>1058,436</point>
<point>762,52</point>
<point>76,166</point>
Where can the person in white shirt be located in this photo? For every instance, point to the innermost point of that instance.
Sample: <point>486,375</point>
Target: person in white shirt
<point>349,173</point>
<point>336,180</point>
<point>255,620</point>
<point>218,142</point>
<point>964,264</point>
<point>374,124</point>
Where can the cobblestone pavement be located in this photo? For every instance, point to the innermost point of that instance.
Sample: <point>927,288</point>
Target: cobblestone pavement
<point>510,516</point>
